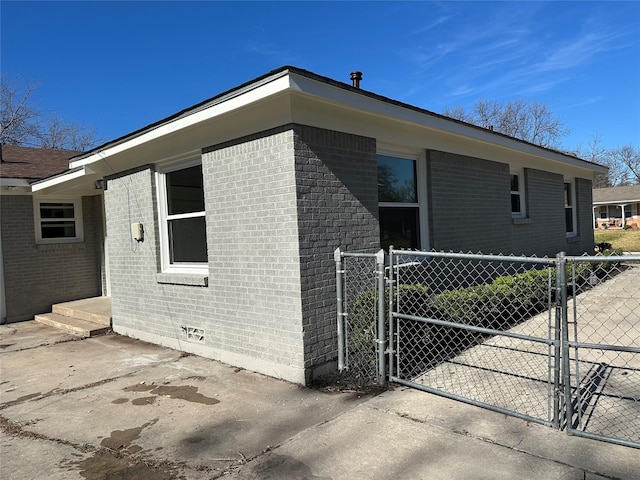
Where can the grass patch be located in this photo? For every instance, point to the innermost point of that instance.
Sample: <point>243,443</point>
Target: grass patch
<point>625,240</point>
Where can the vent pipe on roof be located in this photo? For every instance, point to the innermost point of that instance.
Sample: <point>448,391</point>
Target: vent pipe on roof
<point>355,79</point>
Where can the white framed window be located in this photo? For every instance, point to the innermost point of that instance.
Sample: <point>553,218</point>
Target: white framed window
<point>402,200</point>
<point>518,209</point>
<point>569,209</point>
<point>183,232</point>
<point>58,220</point>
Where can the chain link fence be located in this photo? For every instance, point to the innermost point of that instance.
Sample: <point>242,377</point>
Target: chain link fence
<point>551,340</point>
<point>477,328</point>
<point>602,348</point>
<point>361,349</point>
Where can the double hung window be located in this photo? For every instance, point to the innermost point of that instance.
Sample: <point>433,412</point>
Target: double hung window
<point>182,218</point>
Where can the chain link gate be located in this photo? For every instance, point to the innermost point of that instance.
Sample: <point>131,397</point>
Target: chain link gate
<point>551,340</point>
<point>601,348</point>
<point>477,328</point>
<point>361,316</point>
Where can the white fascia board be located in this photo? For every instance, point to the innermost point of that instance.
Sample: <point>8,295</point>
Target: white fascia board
<point>241,99</point>
<point>60,179</point>
<point>375,106</point>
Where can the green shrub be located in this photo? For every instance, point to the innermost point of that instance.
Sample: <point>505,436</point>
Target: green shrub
<point>363,314</point>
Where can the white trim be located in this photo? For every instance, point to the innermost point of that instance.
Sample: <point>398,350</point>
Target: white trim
<point>77,219</point>
<point>237,101</point>
<point>169,166</point>
<point>59,179</point>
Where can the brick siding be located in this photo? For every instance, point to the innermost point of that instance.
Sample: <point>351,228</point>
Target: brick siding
<point>37,276</point>
<point>337,201</point>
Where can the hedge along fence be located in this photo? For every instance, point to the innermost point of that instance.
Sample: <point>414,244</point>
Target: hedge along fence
<point>501,304</point>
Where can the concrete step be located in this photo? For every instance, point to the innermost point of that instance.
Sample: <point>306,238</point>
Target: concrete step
<point>96,310</point>
<point>78,326</point>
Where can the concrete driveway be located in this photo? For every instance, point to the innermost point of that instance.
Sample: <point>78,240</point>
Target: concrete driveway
<point>115,408</point>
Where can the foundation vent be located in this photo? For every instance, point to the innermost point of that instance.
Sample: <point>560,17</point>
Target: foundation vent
<point>194,334</point>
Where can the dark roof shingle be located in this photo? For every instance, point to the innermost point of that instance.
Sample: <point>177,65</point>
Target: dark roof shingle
<point>33,163</point>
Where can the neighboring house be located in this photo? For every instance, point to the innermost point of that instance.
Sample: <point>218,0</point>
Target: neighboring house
<point>50,246</point>
<point>616,206</point>
<point>222,219</point>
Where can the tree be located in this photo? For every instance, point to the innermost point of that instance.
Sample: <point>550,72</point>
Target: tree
<point>532,122</point>
<point>22,124</point>
<point>17,117</point>
<point>629,157</point>
<point>594,152</point>
<point>623,163</point>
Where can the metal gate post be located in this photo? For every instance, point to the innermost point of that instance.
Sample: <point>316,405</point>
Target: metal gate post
<point>561,278</point>
<point>382,368</point>
<point>557,351</point>
<point>337,256</point>
<point>391,338</point>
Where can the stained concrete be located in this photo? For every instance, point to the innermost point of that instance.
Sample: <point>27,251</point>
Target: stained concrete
<point>112,407</point>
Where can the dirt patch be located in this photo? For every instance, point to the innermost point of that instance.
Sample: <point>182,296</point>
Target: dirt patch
<point>119,401</point>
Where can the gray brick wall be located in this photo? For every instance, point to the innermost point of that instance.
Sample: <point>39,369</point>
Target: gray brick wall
<point>37,276</point>
<point>337,201</point>
<point>251,310</point>
<point>278,203</point>
<point>544,234</point>
<point>470,210</point>
<point>469,203</point>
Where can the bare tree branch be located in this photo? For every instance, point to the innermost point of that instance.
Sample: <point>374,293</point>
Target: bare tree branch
<point>23,124</point>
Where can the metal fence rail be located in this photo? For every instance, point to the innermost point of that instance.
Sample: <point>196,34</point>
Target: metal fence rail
<point>477,328</point>
<point>602,349</point>
<point>551,340</point>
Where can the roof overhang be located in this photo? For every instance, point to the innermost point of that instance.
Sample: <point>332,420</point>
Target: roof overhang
<point>295,96</point>
<point>14,186</point>
<point>77,182</point>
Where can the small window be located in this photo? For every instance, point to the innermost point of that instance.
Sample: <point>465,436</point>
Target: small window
<point>398,202</point>
<point>569,209</point>
<point>603,213</point>
<point>517,196</point>
<point>58,221</point>
<point>183,223</point>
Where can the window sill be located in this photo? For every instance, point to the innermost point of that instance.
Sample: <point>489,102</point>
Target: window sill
<point>520,221</point>
<point>573,239</point>
<point>190,279</point>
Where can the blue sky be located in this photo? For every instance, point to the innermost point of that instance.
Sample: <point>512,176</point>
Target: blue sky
<point>118,66</point>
